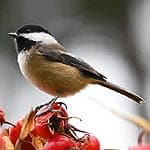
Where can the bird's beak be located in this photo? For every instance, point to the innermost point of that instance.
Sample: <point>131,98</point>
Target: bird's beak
<point>13,34</point>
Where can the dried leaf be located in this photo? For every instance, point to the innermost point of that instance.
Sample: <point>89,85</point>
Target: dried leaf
<point>5,132</point>
<point>8,144</point>
<point>37,142</point>
<point>27,126</point>
<point>137,120</point>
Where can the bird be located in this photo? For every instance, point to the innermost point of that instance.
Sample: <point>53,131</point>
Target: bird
<point>47,65</point>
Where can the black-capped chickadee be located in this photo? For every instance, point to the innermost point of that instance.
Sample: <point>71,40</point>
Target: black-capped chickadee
<point>47,65</point>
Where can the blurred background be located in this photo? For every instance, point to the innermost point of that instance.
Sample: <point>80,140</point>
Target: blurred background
<point>113,36</point>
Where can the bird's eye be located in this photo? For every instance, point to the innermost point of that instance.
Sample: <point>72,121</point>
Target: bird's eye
<point>28,30</point>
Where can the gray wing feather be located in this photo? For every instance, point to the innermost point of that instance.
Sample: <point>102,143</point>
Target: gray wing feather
<point>68,59</point>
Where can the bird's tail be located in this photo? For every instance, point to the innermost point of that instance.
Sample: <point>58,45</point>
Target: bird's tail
<point>121,90</point>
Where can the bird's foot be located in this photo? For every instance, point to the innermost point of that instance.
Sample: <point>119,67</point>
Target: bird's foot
<point>48,108</point>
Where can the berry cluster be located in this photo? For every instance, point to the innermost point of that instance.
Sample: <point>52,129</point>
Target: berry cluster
<point>46,128</point>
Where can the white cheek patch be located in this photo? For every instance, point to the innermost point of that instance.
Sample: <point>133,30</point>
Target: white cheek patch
<point>22,59</point>
<point>45,38</point>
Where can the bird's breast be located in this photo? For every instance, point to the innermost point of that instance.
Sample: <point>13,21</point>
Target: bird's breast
<point>50,76</point>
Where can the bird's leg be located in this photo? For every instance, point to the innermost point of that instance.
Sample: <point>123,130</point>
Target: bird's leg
<point>49,104</point>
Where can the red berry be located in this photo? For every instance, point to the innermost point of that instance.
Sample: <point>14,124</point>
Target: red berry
<point>58,106</point>
<point>2,116</point>
<point>140,147</point>
<point>41,126</point>
<point>60,142</point>
<point>62,110</point>
<point>89,142</point>
<point>50,122</point>
<point>27,144</point>
<point>14,132</point>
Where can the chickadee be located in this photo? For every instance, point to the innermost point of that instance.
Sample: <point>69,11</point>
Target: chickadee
<point>47,65</point>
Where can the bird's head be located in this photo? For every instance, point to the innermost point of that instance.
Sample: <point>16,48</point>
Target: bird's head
<point>28,35</point>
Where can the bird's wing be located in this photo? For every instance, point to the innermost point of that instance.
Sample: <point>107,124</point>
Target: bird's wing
<point>64,57</point>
